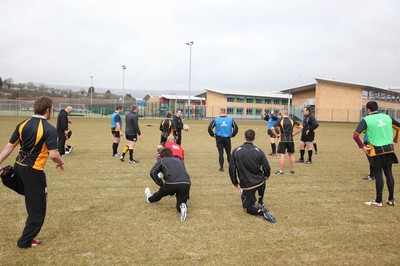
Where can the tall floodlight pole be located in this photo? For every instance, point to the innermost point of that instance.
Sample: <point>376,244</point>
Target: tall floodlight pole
<point>190,75</point>
<point>123,84</point>
<point>91,90</point>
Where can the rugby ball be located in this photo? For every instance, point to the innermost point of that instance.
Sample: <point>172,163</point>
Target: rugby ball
<point>186,127</point>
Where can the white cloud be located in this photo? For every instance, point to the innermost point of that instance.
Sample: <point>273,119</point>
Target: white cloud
<point>252,45</point>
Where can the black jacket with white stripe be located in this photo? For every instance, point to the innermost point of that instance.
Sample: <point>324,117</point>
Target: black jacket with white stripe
<point>173,169</point>
<point>250,164</point>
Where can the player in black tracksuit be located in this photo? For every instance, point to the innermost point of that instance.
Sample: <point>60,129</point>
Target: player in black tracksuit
<point>250,164</point>
<point>307,135</point>
<point>132,132</point>
<point>62,128</point>
<point>176,180</point>
<point>178,126</point>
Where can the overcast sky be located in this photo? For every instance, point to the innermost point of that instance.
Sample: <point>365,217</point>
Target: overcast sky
<point>254,46</point>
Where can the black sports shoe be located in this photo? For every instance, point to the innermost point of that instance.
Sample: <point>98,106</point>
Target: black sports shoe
<point>308,162</point>
<point>221,169</point>
<point>122,158</point>
<point>368,177</point>
<point>300,161</point>
<point>260,205</point>
<point>133,161</point>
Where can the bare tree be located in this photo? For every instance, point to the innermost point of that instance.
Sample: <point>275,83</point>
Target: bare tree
<point>9,82</point>
<point>107,94</point>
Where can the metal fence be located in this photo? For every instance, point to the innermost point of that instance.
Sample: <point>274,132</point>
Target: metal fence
<point>194,112</point>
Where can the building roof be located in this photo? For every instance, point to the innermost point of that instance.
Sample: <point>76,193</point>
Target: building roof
<point>268,95</point>
<point>180,97</point>
<point>312,86</point>
<point>175,97</point>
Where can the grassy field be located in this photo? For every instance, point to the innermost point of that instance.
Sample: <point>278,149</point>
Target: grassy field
<point>97,213</point>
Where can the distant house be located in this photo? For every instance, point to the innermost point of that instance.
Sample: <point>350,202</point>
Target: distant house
<point>158,106</point>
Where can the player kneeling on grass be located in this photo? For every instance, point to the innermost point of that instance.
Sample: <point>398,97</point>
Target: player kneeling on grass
<point>176,181</point>
<point>251,165</point>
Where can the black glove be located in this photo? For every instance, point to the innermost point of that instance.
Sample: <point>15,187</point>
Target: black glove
<point>7,172</point>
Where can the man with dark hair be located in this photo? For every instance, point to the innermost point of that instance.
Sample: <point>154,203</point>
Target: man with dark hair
<point>132,132</point>
<point>251,165</point>
<point>286,126</point>
<point>176,181</point>
<point>307,135</point>
<point>178,126</point>
<point>62,128</point>
<point>116,129</point>
<point>379,130</point>
<point>166,128</point>
<point>38,140</point>
<point>225,128</point>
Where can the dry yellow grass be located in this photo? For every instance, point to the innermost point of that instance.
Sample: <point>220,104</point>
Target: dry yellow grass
<point>97,213</point>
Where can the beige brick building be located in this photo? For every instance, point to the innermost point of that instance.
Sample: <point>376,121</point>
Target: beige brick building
<point>242,105</point>
<point>342,102</point>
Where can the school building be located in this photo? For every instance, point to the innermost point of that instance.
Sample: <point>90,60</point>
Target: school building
<point>330,100</point>
<point>243,105</point>
<point>340,101</point>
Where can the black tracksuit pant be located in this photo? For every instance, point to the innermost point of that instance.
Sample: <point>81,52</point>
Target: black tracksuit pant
<point>35,190</point>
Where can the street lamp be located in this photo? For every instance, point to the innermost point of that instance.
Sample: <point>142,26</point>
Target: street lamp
<point>91,90</point>
<point>190,74</point>
<point>123,84</point>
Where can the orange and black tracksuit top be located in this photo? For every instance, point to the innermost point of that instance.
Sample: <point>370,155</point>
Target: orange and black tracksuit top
<point>286,126</point>
<point>36,137</point>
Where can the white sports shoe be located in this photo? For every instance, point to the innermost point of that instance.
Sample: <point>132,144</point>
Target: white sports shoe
<point>147,193</point>
<point>183,212</point>
<point>374,203</point>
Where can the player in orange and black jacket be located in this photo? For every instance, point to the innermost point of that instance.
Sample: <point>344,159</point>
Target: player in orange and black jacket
<point>38,140</point>
<point>167,128</point>
<point>286,126</point>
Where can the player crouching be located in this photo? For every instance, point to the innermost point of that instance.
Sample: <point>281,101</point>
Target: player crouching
<point>176,181</point>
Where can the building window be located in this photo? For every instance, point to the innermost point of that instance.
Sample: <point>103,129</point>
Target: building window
<point>249,111</point>
<point>365,95</point>
<point>240,99</point>
<point>284,101</point>
<point>268,101</point>
<point>239,110</point>
<point>230,99</point>
<point>249,100</point>
<point>258,100</point>
<point>258,111</point>
<point>383,97</point>
<point>229,110</point>
<point>277,101</point>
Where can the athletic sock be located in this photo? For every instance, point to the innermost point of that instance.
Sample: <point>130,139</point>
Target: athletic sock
<point>302,154</point>
<point>309,155</point>
<point>315,147</point>
<point>131,154</point>
<point>125,150</point>
<point>273,146</point>
<point>115,148</point>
